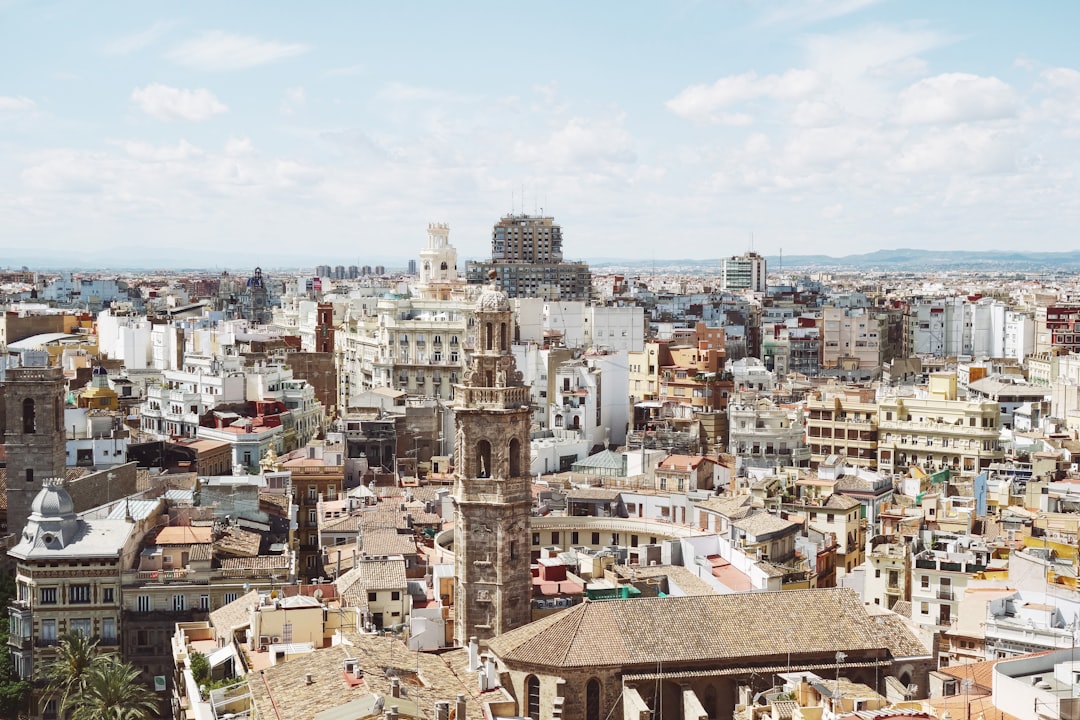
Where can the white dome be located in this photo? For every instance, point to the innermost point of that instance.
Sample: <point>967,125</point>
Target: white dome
<point>52,501</point>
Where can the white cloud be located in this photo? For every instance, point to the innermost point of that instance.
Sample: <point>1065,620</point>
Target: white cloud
<point>215,50</point>
<point>16,104</point>
<point>956,97</point>
<point>702,102</point>
<point>294,100</point>
<point>962,149</point>
<point>169,103</point>
<point>239,147</point>
<point>148,152</point>
<point>127,44</point>
<point>582,144</point>
<point>816,113</point>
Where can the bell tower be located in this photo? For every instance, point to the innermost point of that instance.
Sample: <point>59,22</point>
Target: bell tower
<point>492,494</point>
<point>32,426</point>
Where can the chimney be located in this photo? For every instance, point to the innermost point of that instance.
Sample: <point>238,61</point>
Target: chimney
<point>442,710</point>
<point>392,713</point>
<point>395,687</point>
<point>459,711</point>
<point>309,679</point>
<point>474,654</point>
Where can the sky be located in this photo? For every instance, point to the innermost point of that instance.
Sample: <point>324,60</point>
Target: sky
<point>336,131</point>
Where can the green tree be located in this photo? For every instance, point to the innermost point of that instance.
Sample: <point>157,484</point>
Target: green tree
<point>112,691</point>
<point>76,655</point>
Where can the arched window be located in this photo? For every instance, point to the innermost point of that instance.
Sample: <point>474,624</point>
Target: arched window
<point>502,337</point>
<point>488,339</point>
<point>558,421</point>
<point>483,459</point>
<point>29,417</point>
<point>532,695</point>
<point>592,700</point>
<point>515,457</point>
<point>443,266</point>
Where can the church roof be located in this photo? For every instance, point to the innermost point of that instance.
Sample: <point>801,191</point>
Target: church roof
<point>700,629</point>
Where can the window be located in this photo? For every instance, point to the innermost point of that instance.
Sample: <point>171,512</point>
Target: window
<point>108,595</point>
<point>80,594</point>
<point>228,597</point>
<point>554,538</point>
<point>395,595</point>
<point>924,582</point>
<point>286,632</point>
<point>924,608</point>
<point>179,603</point>
<point>536,538</point>
<point>29,417</point>
<point>311,516</point>
<point>48,596</point>
<point>81,626</point>
<point>48,631</point>
<point>145,603</point>
<point>596,538</point>
<point>574,538</point>
<point>108,631</point>
<point>312,493</point>
<point>204,602</point>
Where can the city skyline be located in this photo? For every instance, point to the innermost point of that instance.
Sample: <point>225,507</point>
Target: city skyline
<point>679,130</point>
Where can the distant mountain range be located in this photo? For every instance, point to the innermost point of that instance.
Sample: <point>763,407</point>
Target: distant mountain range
<point>902,259</point>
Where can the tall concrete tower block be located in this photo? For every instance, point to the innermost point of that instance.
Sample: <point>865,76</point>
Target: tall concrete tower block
<point>32,422</point>
<point>492,485</point>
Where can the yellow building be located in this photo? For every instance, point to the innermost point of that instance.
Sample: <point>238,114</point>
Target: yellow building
<point>939,431</point>
<point>98,395</point>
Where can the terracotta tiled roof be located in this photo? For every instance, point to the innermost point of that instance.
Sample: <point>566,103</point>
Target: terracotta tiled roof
<point>387,542</point>
<point>647,631</point>
<point>233,615</point>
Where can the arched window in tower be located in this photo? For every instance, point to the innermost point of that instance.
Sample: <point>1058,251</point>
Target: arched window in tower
<point>29,417</point>
<point>502,337</point>
<point>487,335</point>
<point>443,266</point>
<point>58,414</point>
<point>532,692</point>
<point>592,700</point>
<point>515,457</point>
<point>483,459</point>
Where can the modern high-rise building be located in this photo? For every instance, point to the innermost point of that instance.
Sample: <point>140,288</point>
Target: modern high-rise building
<point>743,272</point>
<point>412,267</point>
<point>527,257</point>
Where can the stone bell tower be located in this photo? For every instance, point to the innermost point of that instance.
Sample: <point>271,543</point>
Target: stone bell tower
<point>491,486</point>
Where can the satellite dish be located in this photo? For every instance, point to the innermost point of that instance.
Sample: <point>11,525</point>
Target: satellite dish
<point>317,594</point>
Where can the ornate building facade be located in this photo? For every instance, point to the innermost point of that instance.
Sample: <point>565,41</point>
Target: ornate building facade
<point>492,486</point>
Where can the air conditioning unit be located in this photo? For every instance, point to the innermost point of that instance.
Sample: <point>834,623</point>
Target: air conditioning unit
<point>275,640</point>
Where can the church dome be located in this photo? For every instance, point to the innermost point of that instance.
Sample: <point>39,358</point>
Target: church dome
<point>52,501</point>
<point>493,299</point>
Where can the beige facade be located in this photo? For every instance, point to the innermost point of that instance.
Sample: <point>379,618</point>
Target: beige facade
<point>938,432</point>
<point>851,338</point>
<point>843,422</point>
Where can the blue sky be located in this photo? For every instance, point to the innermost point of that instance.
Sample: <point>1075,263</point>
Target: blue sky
<point>336,131</point>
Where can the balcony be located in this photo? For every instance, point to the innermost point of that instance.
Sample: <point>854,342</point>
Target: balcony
<point>945,594</point>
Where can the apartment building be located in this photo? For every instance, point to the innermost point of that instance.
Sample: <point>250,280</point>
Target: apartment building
<point>851,338</point>
<point>763,435</point>
<point>67,580</point>
<point>843,421</point>
<point>748,271</point>
<point>938,431</point>
<point>527,259</point>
